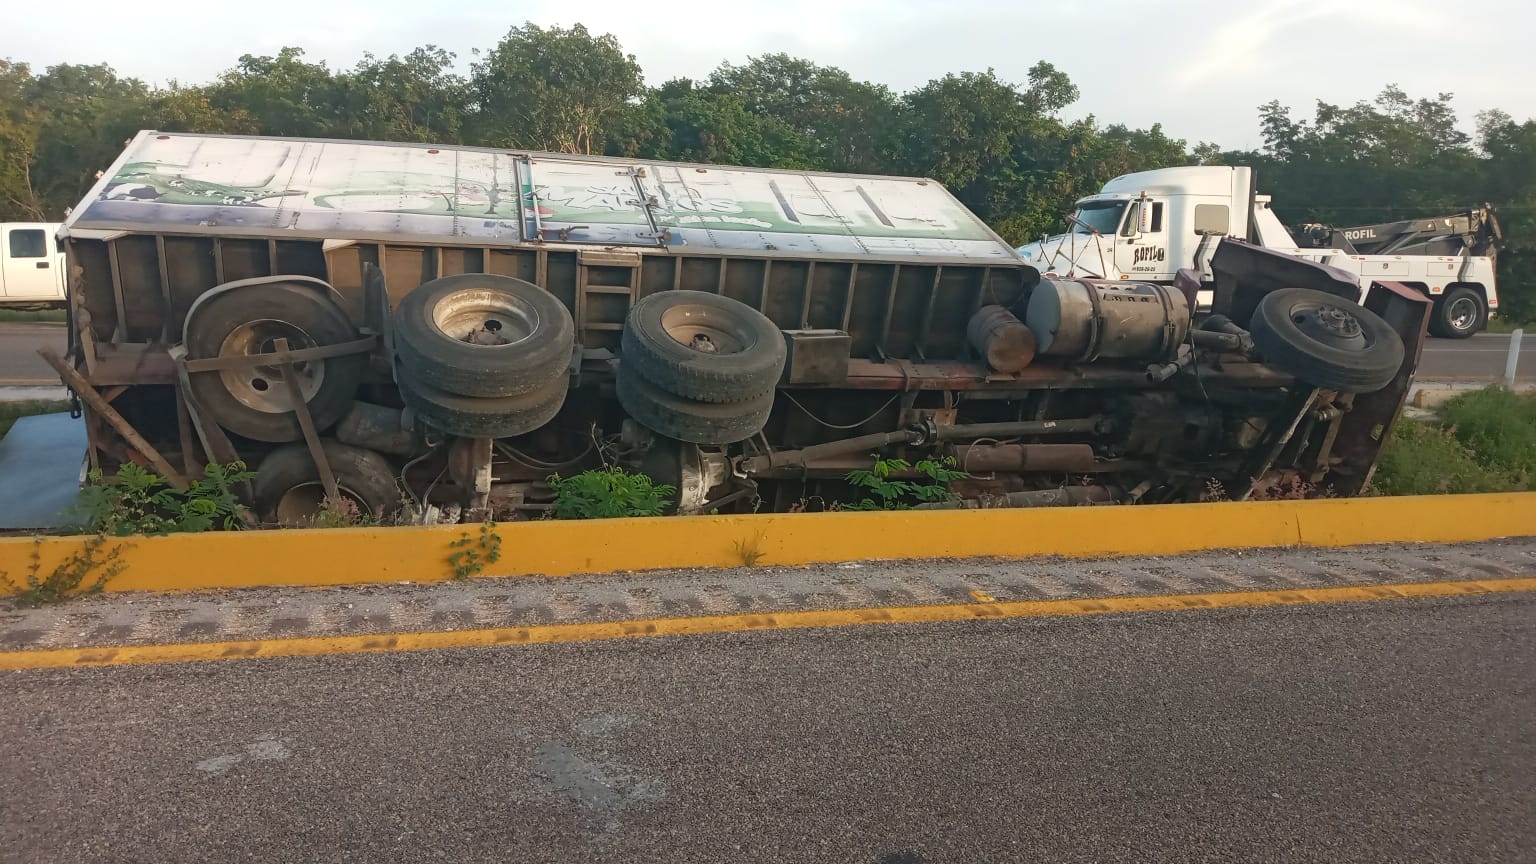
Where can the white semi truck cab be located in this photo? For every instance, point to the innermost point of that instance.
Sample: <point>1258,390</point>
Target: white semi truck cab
<point>1148,225</point>
<point>31,265</point>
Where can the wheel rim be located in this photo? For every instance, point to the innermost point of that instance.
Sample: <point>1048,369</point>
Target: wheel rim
<point>1330,325</point>
<point>263,388</point>
<point>1462,313</point>
<point>301,504</point>
<point>705,330</point>
<point>489,319</point>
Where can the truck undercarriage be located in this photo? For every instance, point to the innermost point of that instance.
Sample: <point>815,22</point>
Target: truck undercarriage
<point>452,380</point>
<point>887,372</point>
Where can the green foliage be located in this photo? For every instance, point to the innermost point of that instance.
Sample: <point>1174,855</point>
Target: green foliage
<point>750,550</point>
<point>970,132</point>
<point>1397,158</point>
<point>284,95</point>
<point>607,493</point>
<point>883,492</point>
<point>10,412</point>
<point>553,89</point>
<point>846,125</point>
<point>20,125</point>
<point>412,98</point>
<point>1002,147</point>
<point>1510,182</point>
<point>137,501</point>
<point>1484,441</point>
<point>85,113</point>
<point>1424,459</point>
<point>692,125</point>
<point>66,579</point>
<point>343,512</point>
<point>57,316</point>
<point>1499,428</point>
<point>471,554</point>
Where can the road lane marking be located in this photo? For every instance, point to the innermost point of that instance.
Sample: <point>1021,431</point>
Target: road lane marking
<point>1472,382</point>
<point>547,634</point>
<point>1478,349</point>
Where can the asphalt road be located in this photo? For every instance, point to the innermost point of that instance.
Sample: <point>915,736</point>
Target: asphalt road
<point>1481,357</point>
<point>1388,732</point>
<point>19,342</point>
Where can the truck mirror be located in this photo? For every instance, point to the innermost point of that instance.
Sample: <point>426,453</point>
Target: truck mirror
<point>1133,220</point>
<point>1144,216</point>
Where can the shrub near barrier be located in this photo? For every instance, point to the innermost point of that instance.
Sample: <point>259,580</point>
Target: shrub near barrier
<point>1484,441</point>
<point>1499,427</point>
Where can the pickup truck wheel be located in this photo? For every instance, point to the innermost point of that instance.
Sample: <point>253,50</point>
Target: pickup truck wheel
<point>473,417</point>
<point>1459,314</point>
<point>703,346</point>
<point>1326,341</point>
<point>253,401</point>
<point>288,489</point>
<point>695,422</point>
<point>478,334</point>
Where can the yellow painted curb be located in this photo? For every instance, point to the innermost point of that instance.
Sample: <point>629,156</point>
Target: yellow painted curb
<point>348,556</point>
<point>547,634</point>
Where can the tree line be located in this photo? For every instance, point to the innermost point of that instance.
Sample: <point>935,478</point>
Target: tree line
<point>1002,147</point>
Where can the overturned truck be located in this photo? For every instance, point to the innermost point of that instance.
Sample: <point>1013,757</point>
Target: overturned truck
<point>438,331</point>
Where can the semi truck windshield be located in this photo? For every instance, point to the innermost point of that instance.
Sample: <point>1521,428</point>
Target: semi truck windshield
<point>1101,216</point>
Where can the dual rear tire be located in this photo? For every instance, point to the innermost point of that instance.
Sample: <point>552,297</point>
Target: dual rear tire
<point>483,356</point>
<point>699,367</point>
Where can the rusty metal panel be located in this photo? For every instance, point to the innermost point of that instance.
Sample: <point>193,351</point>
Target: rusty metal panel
<point>407,267</point>
<point>517,263</point>
<point>138,273</point>
<point>787,292</point>
<point>243,259</point>
<point>1245,273</point>
<point>299,258</point>
<point>1367,427</point>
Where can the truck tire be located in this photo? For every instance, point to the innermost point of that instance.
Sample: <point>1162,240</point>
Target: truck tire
<point>475,417</point>
<point>1459,313</point>
<point>703,346</point>
<point>695,422</point>
<point>478,334</point>
<point>1326,341</point>
<point>288,489</point>
<point>253,401</point>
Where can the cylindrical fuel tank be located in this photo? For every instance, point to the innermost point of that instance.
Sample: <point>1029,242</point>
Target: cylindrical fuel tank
<point>1002,339</point>
<point>1089,319</point>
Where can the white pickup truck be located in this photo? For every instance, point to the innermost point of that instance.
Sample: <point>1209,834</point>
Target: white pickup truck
<point>31,265</point>
<point>1146,226</point>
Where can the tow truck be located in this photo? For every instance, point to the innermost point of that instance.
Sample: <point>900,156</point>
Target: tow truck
<point>1471,233</point>
<point>1147,226</point>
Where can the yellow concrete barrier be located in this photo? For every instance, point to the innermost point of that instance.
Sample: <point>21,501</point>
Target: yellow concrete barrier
<point>358,555</point>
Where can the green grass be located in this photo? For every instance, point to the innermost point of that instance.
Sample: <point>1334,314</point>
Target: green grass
<point>1424,459</point>
<point>1484,441</point>
<point>1506,325</point>
<point>10,412</point>
<point>1499,427</point>
<point>21,316</point>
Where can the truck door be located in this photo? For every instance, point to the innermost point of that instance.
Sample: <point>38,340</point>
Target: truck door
<point>1141,248</point>
<point>28,265</point>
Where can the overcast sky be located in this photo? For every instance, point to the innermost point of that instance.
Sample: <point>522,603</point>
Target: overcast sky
<point>1199,67</point>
